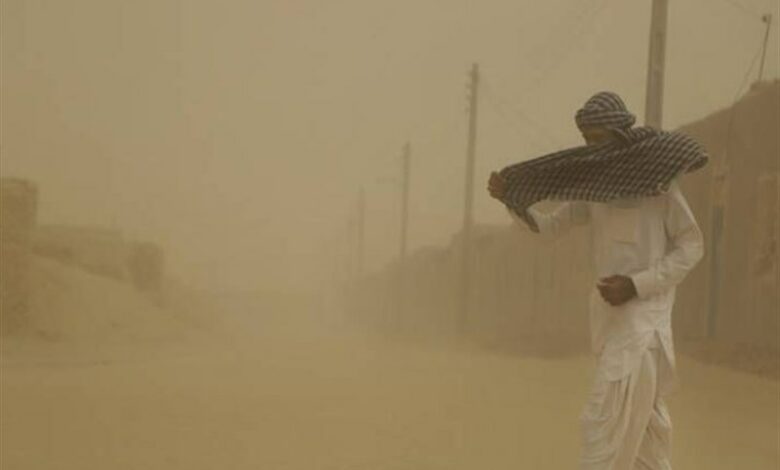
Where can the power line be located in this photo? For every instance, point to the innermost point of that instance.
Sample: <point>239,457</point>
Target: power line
<point>743,9</point>
<point>516,128</point>
<point>737,95</point>
<point>767,19</point>
<point>503,107</point>
<point>575,39</point>
<point>583,19</point>
<point>748,72</point>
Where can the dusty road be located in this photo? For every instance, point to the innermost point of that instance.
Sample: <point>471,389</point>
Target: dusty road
<point>292,393</point>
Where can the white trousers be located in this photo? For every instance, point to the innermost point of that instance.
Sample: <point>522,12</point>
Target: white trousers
<point>625,424</point>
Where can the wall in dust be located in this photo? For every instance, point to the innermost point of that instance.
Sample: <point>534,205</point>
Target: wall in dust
<point>733,294</point>
<point>526,291</point>
<point>103,251</point>
<point>535,290</point>
<point>19,202</point>
<point>26,278</point>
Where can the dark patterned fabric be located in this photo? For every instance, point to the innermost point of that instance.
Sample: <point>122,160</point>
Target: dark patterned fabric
<point>641,162</point>
<point>604,109</point>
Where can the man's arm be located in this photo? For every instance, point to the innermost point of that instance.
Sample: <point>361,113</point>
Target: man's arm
<point>687,248</point>
<point>555,223</point>
<point>559,221</point>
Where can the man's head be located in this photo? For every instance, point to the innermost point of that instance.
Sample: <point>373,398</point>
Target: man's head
<point>601,114</point>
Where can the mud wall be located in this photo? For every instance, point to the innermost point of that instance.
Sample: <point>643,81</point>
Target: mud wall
<point>530,290</point>
<point>18,208</point>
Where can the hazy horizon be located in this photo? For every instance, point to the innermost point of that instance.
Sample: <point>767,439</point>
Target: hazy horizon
<point>237,134</point>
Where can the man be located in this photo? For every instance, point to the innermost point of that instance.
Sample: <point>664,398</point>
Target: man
<point>645,240</point>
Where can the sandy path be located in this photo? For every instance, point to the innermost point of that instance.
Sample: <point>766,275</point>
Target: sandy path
<point>316,399</point>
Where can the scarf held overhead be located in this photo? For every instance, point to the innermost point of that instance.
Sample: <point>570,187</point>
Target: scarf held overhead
<point>642,162</point>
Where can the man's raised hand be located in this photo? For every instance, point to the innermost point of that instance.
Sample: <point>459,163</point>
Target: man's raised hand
<point>497,186</point>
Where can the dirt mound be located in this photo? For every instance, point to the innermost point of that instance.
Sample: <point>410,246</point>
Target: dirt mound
<point>68,303</point>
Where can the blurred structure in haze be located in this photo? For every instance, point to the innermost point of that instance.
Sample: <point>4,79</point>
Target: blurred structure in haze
<point>531,296</point>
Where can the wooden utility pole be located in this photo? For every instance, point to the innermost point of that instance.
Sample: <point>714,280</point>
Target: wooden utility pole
<point>656,61</point>
<point>768,20</point>
<point>361,232</point>
<point>468,208</point>
<point>405,174</point>
<point>400,276</point>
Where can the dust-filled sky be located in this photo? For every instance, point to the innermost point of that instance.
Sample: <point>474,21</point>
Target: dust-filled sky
<point>237,133</point>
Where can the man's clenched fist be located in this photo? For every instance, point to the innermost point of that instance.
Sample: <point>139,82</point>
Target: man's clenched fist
<point>616,290</point>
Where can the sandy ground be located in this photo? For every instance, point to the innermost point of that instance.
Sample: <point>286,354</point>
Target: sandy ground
<point>283,390</point>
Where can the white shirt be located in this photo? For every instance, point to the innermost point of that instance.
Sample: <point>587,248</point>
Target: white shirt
<point>655,241</point>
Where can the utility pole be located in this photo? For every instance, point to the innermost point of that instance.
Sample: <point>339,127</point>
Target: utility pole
<point>768,20</point>
<point>405,173</point>
<point>400,276</point>
<point>468,209</point>
<point>654,95</point>
<point>361,232</point>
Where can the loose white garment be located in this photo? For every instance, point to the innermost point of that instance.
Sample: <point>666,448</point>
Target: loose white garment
<point>655,241</point>
<point>625,424</point>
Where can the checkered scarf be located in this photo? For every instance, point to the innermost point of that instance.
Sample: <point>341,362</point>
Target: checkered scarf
<point>641,162</point>
<point>604,109</point>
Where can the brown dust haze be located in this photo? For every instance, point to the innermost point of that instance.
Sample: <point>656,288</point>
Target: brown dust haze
<point>186,290</point>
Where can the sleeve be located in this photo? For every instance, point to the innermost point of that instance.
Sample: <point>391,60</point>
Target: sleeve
<point>685,251</point>
<point>558,221</point>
